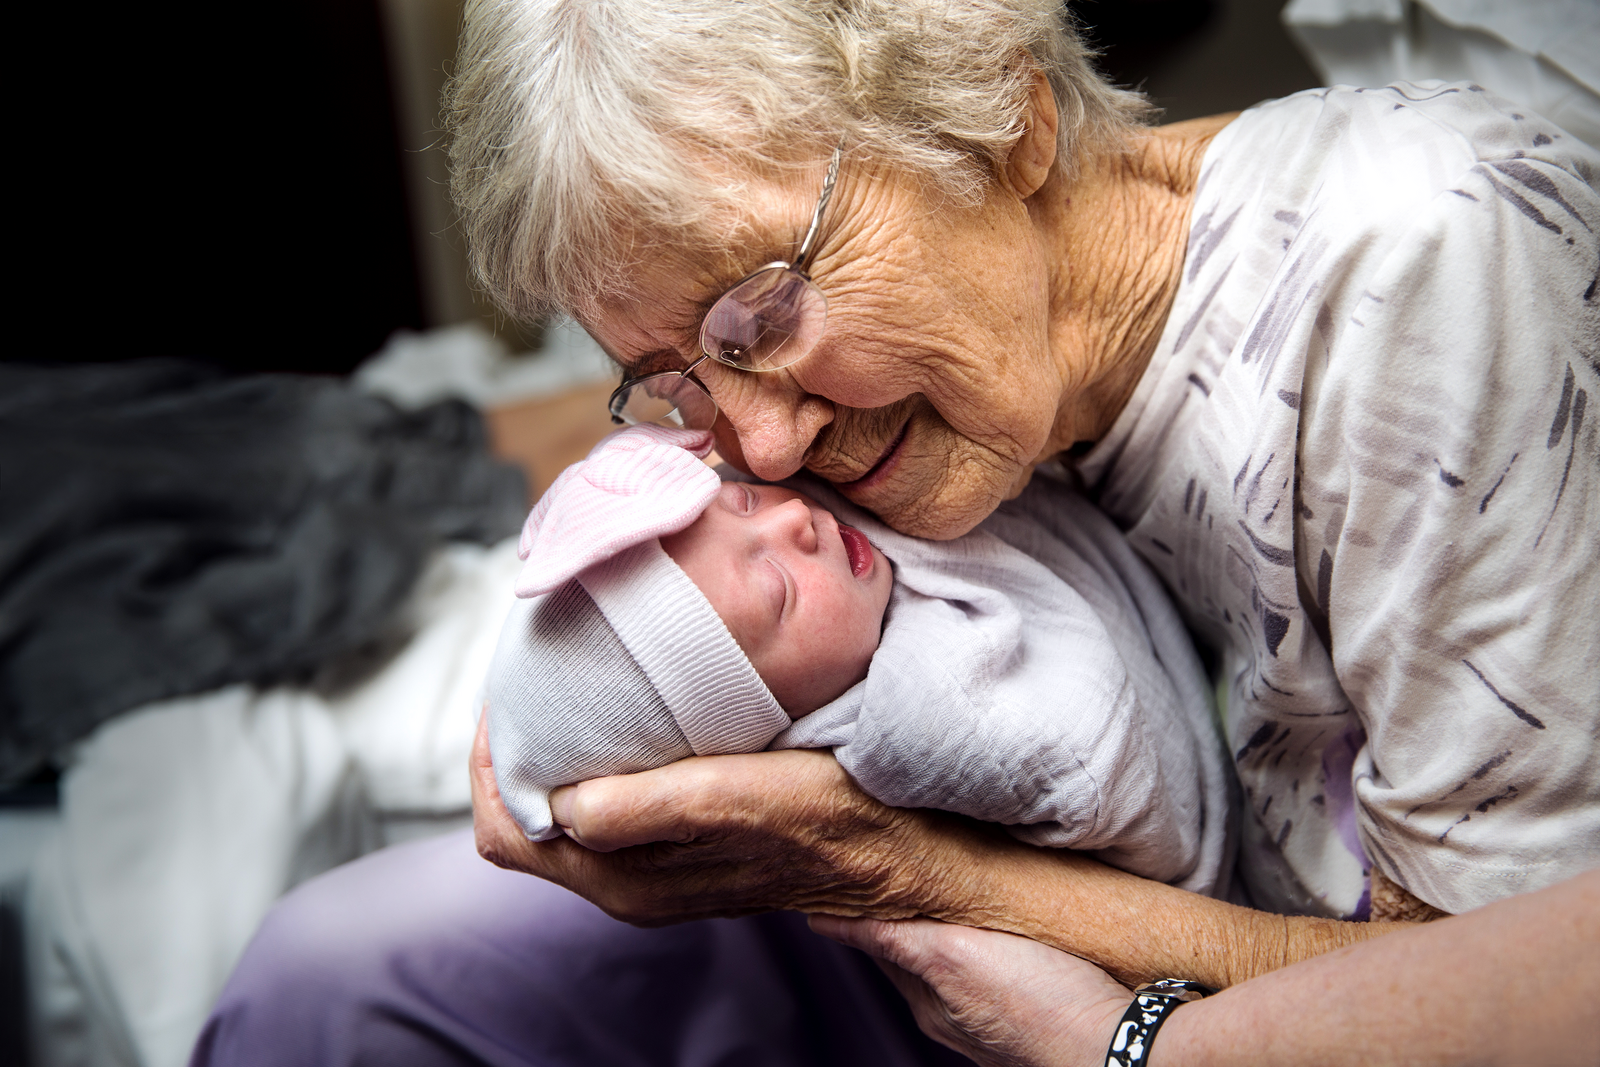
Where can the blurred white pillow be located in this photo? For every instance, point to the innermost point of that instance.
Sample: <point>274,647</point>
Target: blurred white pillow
<point>1544,54</point>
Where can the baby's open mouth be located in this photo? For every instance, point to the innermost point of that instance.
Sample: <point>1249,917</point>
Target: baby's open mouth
<point>858,548</point>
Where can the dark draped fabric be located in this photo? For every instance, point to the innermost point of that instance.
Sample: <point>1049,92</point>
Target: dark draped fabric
<point>167,529</point>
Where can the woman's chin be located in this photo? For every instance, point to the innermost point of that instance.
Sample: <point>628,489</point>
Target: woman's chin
<point>935,499</point>
<point>924,479</point>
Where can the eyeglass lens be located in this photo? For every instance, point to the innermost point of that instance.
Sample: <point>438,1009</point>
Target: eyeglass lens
<point>668,400</point>
<point>768,321</point>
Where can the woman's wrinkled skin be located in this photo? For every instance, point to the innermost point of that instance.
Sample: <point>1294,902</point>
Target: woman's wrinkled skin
<point>1005,1001</point>
<point>990,336</point>
<point>724,836</point>
<point>656,848</point>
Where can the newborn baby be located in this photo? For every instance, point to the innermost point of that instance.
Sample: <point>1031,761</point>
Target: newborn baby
<point>1031,673</point>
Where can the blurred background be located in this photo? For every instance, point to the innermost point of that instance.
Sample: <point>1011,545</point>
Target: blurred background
<point>263,189</point>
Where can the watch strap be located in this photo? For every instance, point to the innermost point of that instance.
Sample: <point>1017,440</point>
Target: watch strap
<point>1152,1003</point>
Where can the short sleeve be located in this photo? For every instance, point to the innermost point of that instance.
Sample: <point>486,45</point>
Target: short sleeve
<point>1449,496</point>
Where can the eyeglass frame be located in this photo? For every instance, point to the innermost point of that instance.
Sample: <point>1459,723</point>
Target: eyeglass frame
<point>801,265</point>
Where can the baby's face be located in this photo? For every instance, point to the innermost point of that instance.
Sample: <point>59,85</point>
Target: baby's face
<point>802,594</point>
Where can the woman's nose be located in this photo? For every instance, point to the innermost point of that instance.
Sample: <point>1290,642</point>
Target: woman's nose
<point>776,421</point>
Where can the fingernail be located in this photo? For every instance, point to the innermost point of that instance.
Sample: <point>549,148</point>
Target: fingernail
<point>561,805</point>
<point>829,926</point>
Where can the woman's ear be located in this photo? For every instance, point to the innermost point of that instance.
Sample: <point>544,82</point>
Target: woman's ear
<point>1034,154</point>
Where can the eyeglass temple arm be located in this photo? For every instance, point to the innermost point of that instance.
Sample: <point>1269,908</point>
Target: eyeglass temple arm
<point>803,258</point>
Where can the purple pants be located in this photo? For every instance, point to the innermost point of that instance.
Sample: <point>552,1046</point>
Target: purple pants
<point>425,955</point>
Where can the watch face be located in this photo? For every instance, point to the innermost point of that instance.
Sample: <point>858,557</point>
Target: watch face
<point>1177,988</point>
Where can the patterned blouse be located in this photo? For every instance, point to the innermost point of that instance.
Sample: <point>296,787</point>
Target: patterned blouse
<point>1365,463</point>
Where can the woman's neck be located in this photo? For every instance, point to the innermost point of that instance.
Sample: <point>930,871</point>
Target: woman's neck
<point>1120,228</point>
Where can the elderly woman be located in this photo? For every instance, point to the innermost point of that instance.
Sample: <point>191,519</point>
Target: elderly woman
<point>1327,362</point>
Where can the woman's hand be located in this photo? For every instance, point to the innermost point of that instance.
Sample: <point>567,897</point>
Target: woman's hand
<point>1511,983</point>
<point>734,835</point>
<point>995,998</point>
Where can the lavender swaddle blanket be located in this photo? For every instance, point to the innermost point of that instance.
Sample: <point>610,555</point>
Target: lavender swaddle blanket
<point>1034,673</point>
<point>1031,673</point>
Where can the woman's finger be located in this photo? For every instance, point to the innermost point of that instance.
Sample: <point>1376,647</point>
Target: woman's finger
<point>872,936</point>
<point>921,948</point>
<point>900,951</point>
<point>701,797</point>
<point>905,951</point>
<point>499,839</point>
<point>934,1019</point>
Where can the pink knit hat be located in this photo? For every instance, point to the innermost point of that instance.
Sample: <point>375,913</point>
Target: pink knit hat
<point>636,485</point>
<point>640,671</point>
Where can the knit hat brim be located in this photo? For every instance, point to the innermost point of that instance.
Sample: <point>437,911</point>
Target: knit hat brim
<point>685,650</point>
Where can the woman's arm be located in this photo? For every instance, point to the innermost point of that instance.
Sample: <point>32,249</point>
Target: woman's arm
<point>735,835</point>
<point>1514,982</point>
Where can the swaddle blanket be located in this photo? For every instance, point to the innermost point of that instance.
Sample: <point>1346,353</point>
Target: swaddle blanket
<point>1033,673</point>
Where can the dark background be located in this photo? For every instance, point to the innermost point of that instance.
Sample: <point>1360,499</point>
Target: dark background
<point>230,190</point>
<point>228,185</point>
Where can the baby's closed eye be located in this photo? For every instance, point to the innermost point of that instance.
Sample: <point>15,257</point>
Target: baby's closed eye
<point>779,586</point>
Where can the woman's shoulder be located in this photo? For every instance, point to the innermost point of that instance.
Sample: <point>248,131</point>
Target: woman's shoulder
<point>1309,205</point>
<point>1367,160</point>
<point>1412,208</point>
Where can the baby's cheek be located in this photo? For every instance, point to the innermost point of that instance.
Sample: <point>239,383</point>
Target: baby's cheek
<point>853,655</point>
<point>813,667</point>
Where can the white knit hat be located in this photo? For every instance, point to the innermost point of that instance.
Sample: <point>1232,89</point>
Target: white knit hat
<point>614,661</point>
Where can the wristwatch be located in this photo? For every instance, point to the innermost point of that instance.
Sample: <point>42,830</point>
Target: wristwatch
<point>1152,1003</point>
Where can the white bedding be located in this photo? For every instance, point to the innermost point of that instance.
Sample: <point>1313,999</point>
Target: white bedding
<point>183,821</point>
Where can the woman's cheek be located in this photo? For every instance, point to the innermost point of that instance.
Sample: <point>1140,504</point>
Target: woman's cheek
<point>863,372</point>
<point>998,396</point>
<point>1008,416</point>
<point>944,485</point>
<point>887,335</point>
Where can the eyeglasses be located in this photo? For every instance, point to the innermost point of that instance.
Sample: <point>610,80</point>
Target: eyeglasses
<point>771,319</point>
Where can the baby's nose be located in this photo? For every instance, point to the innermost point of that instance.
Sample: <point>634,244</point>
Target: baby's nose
<point>791,521</point>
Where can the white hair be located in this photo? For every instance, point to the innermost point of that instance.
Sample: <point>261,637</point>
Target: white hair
<point>580,129</point>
